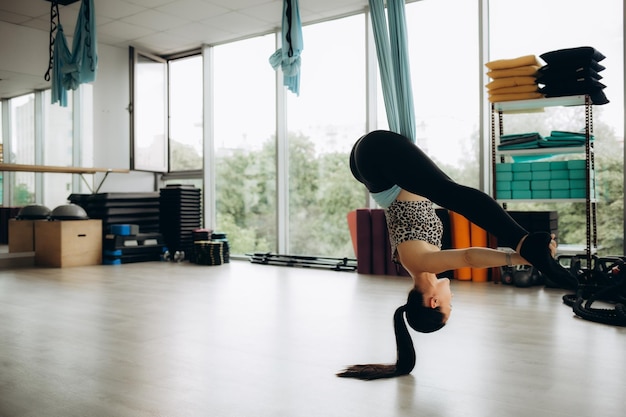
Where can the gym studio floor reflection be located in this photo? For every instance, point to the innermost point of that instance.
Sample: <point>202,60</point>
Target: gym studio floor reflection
<point>244,340</point>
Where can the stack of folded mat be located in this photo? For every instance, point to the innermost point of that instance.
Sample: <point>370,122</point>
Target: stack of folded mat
<point>563,139</point>
<point>533,140</point>
<point>513,79</point>
<point>573,71</point>
<point>530,140</point>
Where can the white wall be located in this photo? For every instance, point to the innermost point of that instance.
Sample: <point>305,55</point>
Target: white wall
<point>111,121</point>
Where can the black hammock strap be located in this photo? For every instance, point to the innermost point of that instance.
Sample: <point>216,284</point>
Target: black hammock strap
<point>288,35</point>
<point>54,24</point>
<point>89,38</point>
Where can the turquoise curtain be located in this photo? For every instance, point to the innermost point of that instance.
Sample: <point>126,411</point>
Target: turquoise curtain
<point>287,57</point>
<point>72,68</point>
<point>393,61</point>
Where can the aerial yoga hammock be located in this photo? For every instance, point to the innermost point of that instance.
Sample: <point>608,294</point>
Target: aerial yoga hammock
<point>287,57</point>
<point>68,69</point>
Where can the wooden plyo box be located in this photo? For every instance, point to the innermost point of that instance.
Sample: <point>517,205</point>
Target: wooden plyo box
<point>22,235</point>
<point>62,243</point>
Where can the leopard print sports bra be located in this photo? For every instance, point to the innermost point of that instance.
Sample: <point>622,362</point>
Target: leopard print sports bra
<point>412,220</point>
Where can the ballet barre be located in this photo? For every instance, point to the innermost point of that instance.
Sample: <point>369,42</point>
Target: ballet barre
<point>64,170</point>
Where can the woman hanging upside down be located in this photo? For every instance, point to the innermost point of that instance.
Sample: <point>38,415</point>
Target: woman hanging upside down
<point>405,182</point>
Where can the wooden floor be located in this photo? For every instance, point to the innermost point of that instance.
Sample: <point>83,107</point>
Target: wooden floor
<point>244,340</point>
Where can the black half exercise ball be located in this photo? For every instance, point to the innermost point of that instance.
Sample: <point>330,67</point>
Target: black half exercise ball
<point>33,212</point>
<point>69,212</point>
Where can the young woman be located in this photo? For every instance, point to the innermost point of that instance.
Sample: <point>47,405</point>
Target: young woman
<point>405,182</point>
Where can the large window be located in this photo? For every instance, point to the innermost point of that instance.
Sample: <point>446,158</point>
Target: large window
<point>167,112</point>
<point>185,118</point>
<point>245,145</point>
<point>22,148</point>
<point>323,123</point>
<point>568,24</point>
<point>149,112</point>
<point>443,54</point>
<point>37,132</point>
<point>57,149</point>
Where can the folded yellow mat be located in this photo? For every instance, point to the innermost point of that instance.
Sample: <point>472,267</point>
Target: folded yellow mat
<point>512,63</point>
<point>515,96</point>
<point>511,82</point>
<point>514,72</point>
<point>530,88</point>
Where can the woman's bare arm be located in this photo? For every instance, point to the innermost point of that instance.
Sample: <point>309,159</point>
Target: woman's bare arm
<point>418,256</point>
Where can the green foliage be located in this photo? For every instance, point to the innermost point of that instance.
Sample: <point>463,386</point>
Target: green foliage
<point>246,202</point>
<point>322,191</point>
<point>240,240</point>
<point>184,157</point>
<point>23,196</point>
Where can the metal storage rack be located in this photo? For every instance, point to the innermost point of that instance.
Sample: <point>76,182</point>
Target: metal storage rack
<point>497,156</point>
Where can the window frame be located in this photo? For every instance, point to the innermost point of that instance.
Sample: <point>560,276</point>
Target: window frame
<point>136,108</point>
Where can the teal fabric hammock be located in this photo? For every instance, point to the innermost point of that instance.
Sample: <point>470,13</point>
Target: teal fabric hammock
<point>71,68</point>
<point>393,61</point>
<point>395,75</point>
<point>287,57</point>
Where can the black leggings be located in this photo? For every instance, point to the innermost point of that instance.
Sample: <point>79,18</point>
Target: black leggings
<point>382,159</point>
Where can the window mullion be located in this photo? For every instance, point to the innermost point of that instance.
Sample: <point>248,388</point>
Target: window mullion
<point>40,122</point>
<point>208,132</point>
<point>76,136</point>
<point>7,178</point>
<point>282,163</point>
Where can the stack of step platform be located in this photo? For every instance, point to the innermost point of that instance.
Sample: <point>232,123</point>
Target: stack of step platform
<point>130,225</point>
<point>125,244</point>
<point>180,215</point>
<point>139,208</point>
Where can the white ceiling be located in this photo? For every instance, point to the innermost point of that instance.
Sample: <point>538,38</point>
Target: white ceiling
<point>165,26</point>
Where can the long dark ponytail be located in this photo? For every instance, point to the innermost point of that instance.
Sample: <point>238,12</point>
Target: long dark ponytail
<point>405,361</point>
<point>421,318</point>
